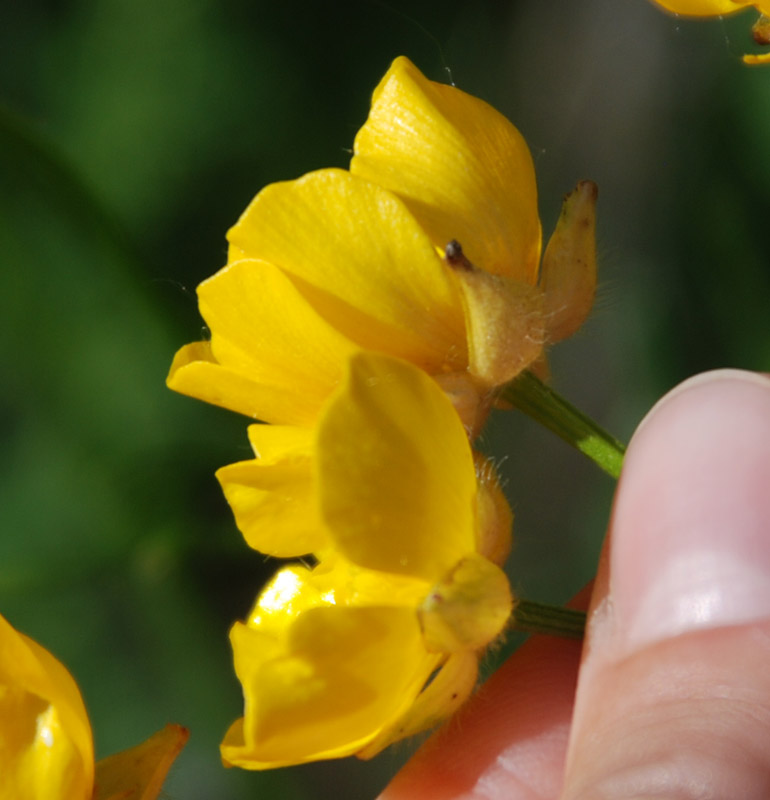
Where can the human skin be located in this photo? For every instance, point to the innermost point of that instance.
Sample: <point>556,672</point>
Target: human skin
<point>670,696</point>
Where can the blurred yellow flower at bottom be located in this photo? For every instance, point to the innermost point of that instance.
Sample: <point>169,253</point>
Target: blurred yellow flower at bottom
<point>46,746</point>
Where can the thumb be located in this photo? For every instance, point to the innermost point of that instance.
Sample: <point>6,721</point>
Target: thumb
<point>673,698</point>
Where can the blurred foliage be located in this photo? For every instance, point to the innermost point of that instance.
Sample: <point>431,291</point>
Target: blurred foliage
<point>131,138</point>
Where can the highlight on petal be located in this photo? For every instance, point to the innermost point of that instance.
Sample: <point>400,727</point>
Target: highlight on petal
<point>361,260</point>
<point>271,356</point>
<point>272,496</point>
<point>460,166</point>
<point>396,480</point>
<point>323,685</point>
<point>139,772</point>
<point>46,749</point>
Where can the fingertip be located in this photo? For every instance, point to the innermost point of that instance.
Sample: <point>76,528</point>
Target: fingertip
<point>689,529</point>
<point>674,692</point>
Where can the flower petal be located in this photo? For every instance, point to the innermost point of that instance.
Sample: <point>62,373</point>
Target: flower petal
<point>279,359</point>
<point>460,166</point>
<point>342,675</point>
<point>139,772</point>
<point>362,261</point>
<point>275,443</point>
<point>447,691</point>
<point>46,749</point>
<point>273,507</point>
<point>396,480</point>
<point>702,8</point>
<point>272,496</point>
<point>196,373</point>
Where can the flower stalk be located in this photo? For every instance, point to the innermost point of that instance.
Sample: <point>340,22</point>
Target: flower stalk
<point>531,617</point>
<point>529,394</point>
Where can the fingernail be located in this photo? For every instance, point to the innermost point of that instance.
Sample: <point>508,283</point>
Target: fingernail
<point>691,525</point>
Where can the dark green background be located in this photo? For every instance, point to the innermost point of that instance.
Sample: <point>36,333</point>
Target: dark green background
<point>132,135</point>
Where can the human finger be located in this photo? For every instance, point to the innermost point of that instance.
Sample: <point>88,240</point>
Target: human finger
<point>673,697</point>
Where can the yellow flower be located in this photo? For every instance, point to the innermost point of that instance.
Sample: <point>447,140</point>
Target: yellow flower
<point>276,497</point>
<point>712,8</point>
<point>46,747</point>
<point>718,8</point>
<point>428,249</point>
<point>380,640</point>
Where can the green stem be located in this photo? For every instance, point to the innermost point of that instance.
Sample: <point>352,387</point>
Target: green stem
<point>529,394</point>
<point>531,617</point>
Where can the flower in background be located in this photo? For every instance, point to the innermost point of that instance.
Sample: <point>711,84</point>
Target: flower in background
<point>718,8</point>
<point>380,640</point>
<point>46,747</point>
<point>428,249</point>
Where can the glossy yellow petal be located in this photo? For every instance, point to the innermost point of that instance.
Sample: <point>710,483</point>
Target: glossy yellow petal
<point>274,507</point>
<point>702,8</point>
<point>461,167</point>
<point>276,443</point>
<point>235,253</point>
<point>278,359</point>
<point>334,582</point>
<point>46,750</point>
<point>362,261</point>
<point>395,473</point>
<point>447,691</point>
<point>139,773</point>
<point>343,583</point>
<point>290,592</point>
<point>196,373</point>
<point>272,496</point>
<point>338,676</point>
